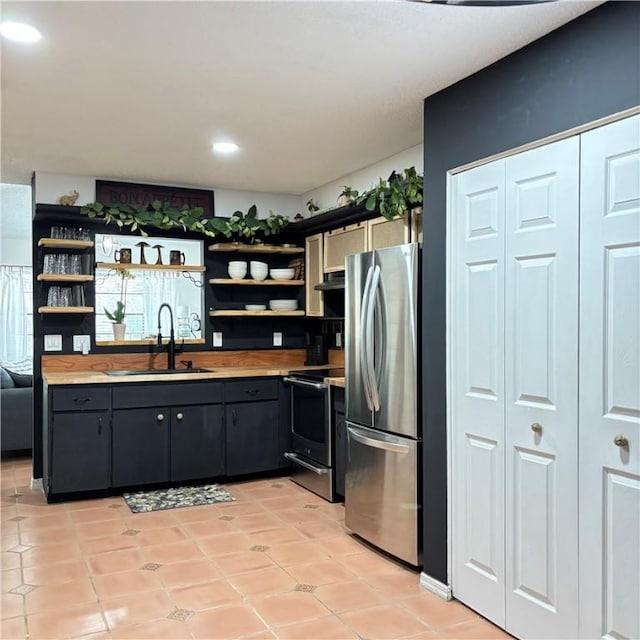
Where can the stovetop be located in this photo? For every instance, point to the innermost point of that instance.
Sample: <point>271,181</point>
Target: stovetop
<point>318,374</point>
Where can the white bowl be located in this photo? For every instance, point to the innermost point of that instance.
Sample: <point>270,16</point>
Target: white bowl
<point>255,307</point>
<point>282,274</point>
<point>238,263</point>
<point>237,273</point>
<point>283,305</point>
<point>259,270</point>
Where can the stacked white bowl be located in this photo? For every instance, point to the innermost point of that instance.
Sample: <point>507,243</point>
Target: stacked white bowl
<point>282,274</point>
<point>258,270</point>
<point>237,269</point>
<point>283,305</point>
<point>255,307</point>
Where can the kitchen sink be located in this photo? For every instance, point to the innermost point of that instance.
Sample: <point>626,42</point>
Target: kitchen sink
<point>146,372</point>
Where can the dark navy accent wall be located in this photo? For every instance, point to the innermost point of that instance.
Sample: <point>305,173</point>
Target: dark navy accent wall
<point>588,69</point>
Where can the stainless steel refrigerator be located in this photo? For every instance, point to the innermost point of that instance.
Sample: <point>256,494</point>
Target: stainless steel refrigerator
<point>382,490</point>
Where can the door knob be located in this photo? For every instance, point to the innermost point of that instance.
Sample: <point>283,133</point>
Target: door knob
<point>160,417</point>
<point>536,427</point>
<point>621,441</point>
<point>179,416</point>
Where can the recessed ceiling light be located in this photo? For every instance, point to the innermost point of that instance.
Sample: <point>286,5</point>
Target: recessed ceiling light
<point>19,32</point>
<point>225,147</point>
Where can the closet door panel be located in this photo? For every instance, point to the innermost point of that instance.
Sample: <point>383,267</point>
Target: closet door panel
<point>541,335</point>
<point>610,381</point>
<point>477,383</point>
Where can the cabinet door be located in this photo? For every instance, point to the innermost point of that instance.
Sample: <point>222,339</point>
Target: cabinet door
<point>314,274</point>
<point>197,442</point>
<point>252,437</point>
<point>609,450</point>
<point>383,233</point>
<point>80,452</point>
<point>340,243</point>
<point>140,446</point>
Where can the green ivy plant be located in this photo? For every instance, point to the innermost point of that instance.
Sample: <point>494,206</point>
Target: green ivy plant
<point>161,215</point>
<point>392,197</point>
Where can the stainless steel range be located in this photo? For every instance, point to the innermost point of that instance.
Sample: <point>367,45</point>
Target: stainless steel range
<point>312,430</point>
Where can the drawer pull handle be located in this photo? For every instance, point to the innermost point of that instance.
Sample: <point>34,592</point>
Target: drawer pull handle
<point>621,441</point>
<point>160,417</point>
<point>536,427</point>
<point>234,416</point>
<point>81,400</point>
<point>179,416</point>
<point>253,392</point>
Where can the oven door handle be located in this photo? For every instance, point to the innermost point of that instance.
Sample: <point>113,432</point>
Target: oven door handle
<point>321,471</point>
<point>304,383</point>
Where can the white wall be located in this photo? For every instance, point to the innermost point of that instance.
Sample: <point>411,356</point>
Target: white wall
<point>364,179</point>
<point>15,225</point>
<point>50,186</point>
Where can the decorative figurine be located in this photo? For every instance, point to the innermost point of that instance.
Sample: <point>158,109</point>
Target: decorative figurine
<point>69,201</point>
<point>159,247</point>
<point>142,245</point>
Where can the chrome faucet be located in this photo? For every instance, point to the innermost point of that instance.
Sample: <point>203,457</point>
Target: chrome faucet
<point>171,345</point>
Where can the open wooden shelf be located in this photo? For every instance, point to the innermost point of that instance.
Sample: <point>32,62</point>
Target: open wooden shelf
<point>233,312</point>
<point>65,309</point>
<point>253,248</point>
<point>259,283</point>
<point>150,267</point>
<point>59,243</point>
<point>64,277</point>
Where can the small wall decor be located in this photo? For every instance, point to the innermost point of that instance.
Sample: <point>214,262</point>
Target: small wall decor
<point>70,200</point>
<point>142,196</point>
<point>159,248</point>
<point>142,245</point>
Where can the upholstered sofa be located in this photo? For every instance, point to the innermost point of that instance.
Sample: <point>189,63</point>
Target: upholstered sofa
<point>16,410</point>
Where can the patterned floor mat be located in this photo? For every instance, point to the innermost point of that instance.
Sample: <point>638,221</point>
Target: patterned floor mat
<point>143,501</point>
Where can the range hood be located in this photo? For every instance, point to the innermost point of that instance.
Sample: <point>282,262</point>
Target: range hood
<point>336,282</point>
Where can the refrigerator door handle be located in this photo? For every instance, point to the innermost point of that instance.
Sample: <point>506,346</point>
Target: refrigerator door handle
<point>364,365</point>
<point>358,436</point>
<point>369,333</point>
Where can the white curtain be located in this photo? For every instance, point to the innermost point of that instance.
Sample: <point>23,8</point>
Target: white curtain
<point>14,345</point>
<point>159,287</point>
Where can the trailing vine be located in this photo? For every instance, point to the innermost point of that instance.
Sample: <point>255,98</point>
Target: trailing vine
<point>161,215</point>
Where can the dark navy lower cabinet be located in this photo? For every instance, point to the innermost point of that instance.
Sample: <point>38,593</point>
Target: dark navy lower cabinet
<point>197,442</point>
<point>80,445</point>
<point>252,437</point>
<point>141,446</point>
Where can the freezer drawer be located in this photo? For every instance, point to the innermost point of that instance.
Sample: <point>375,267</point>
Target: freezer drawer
<point>381,491</point>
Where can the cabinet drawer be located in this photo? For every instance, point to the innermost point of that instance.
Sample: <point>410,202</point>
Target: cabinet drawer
<point>247,390</point>
<point>165,395</point>
<point>80,398</point>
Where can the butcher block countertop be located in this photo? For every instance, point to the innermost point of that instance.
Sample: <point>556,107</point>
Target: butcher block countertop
<point>216,373</point>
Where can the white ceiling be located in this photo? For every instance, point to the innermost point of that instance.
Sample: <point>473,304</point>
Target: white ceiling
<point>311,91</point>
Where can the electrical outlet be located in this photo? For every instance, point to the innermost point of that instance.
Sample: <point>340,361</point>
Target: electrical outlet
<point>217,338</point>
<point>277,338</point>
<point>338,339</point>
<point>82,343</point>
<point>53,342</point>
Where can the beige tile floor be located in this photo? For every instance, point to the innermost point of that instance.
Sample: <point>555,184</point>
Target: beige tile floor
<point>276,563</point>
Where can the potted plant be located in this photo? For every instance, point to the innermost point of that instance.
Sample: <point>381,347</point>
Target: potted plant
<point>312,207</point>
<point>396,195</point>
<point>118,314</point>
<point>347,196</point>
<point>245,227</point>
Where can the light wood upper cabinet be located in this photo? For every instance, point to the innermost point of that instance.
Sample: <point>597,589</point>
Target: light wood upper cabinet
<point>314,274</point>
<point>342,242</point>
<point>383,233</point>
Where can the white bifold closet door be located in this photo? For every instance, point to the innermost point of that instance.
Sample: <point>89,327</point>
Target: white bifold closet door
<point>541,391</point>
<point>477,389</point>
<point>610,382</point>
<point>514,406</point>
